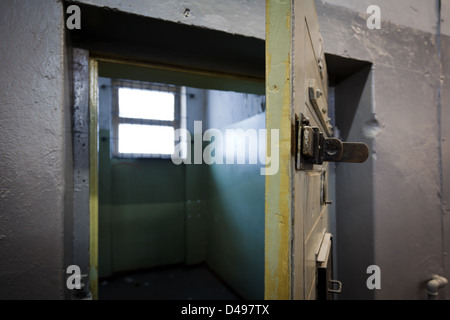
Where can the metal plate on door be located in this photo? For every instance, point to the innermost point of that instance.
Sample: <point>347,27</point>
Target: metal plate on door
<point>314,148</point>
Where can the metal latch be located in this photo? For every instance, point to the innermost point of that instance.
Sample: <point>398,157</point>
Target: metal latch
<point>314,148</point>
<point>339,286</point>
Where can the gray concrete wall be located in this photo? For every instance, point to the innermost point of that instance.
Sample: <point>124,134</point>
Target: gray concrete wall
<point>408,224</point>
<point>445,129</point>
<point>415,14</point>
<point>244,17</point>
<point>34,150</point>
<point>354,190</point>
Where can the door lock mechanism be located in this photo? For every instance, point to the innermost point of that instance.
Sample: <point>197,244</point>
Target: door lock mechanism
<point>313,147</point>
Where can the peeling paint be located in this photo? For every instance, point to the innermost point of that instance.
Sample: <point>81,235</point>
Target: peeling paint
<point>93,178</point>
<point>278,199</point>
<point>371,128</point>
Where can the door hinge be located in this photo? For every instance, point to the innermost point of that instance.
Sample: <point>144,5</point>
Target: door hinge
<point>313,147</point>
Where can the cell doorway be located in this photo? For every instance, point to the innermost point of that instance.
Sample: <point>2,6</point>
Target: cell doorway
<point>180,216</point>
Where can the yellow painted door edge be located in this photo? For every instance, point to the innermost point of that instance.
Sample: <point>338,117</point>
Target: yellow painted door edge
<point>278,222</point>
<point>93,179</point>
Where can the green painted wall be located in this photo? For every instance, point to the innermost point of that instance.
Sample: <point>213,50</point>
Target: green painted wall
<point>141,206</point>
<point>236,222</point>
<point>196,213</point>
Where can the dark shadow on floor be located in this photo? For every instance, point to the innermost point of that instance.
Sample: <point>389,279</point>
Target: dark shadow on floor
<point>172,283</point>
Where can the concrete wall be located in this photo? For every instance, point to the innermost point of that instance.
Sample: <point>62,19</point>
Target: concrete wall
<point>35,156</point>
<point>354,190</point>
<point>408,224</point>
<point>415,14</point>
<point>444,45</point>
<point>245,17</point>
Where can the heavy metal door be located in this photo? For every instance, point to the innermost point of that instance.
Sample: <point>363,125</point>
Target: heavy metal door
<point>297,207</point>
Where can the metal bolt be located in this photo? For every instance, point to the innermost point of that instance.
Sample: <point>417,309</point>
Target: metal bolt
<point>329,202</point>
<point>319,93</point>
<point>332,150</point>
<point>320,64</point>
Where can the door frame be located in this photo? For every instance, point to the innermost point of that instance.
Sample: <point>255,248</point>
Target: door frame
<point>208,79</point>
<point>93,177</point>
<point>278,194</point>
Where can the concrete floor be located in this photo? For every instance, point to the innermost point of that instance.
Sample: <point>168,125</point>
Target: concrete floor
<point>173,283</point>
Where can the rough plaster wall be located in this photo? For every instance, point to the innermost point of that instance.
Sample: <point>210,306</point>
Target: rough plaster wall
<point>32,155</point>
<point>354,204</point>
<point>445,17</point>
<point>245,17</point>
<point>77,220</point>
<point>445,127</point>
<point>416,14</point>
<point>68,161</point>
<point>407,211</point>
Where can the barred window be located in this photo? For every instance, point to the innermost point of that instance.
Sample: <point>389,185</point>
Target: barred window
<point>145,117</point>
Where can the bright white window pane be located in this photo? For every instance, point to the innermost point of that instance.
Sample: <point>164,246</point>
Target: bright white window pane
<point>145,139</point>
<point>146,104</point>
